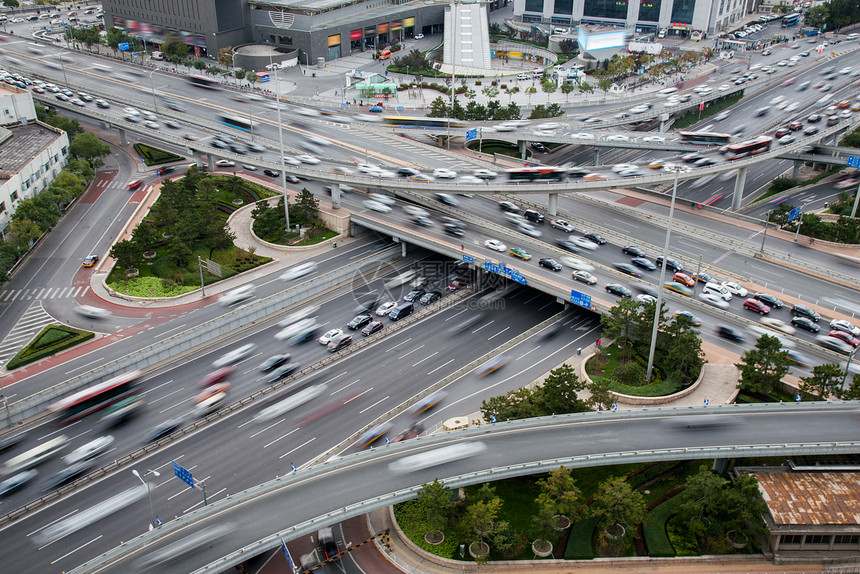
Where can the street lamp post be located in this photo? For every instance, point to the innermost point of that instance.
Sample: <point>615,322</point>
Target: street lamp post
<point>149,492</point>
<point>659,304</point>
<point>63,64</point>
<point>281,149</point>
<point>848,368</point>
<point>152,89</point>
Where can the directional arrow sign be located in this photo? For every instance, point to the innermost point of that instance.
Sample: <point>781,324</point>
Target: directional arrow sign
<point>183,474</point>
<point>471,134</point>
<point>853,161</point>
<point>794,214</point>
<point>581,299</point>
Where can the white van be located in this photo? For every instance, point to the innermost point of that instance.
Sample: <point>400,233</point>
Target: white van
<point>717,289</point>
<point>852,36</point>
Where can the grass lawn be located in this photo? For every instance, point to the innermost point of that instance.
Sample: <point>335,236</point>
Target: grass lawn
<point>50,340</point>
<point>154,156</point>
<point>612,354</point>
<point>498,147</point>
<point>712,108</point>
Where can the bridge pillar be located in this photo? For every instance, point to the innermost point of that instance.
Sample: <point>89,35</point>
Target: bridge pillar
<point>209,160</point>
<point>552,208</point>
<point>402,248</point>
<point>721,465</point>
<point>662,128</point>
<point>198,157</point>
<point>335,196</point>
<point>521,144</point>
<point>795,172</point>
<point>740,180</point>
<point>596,156</point>
<point>122,138</point>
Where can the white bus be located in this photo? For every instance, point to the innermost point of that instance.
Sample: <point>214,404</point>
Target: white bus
<point>35,456</point>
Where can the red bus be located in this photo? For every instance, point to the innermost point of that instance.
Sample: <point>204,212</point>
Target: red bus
<point>96,397</point>
<point>705,138</point>
<point>545,173</point>
<point>748,148</point>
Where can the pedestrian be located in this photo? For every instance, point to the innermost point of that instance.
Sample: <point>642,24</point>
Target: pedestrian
<point>462,247</point>
<point>598,341</point>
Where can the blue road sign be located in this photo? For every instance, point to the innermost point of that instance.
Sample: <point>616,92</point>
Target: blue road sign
<point>580,299</point>
<point>518,278</point>
<point>794,214</point>
<point>183,474</point>
<point>797,397</point>
<point>854,161</point>
<point>471,134</point>
<point>123,46</point>
<point>468,259</point>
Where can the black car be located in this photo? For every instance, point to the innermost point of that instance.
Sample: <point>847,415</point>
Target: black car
<point>769,300</point>
<point>509,207</point>
<point>595,238</point>
<point>578,172</point>
<point>671,264</point>
<point>804,311</point>
<point>628,269</point>
<point>271,172</point>
<point>730,333</point>
<point>539,147</point>
<point>281,372</point>
<point>832,121</point>
<point>165,169</point>
<point>17,482</point>
<point>569,245</point>
<point>414,295</point>
<point>162,430</point>
<point>644,263</point>
<point>273,362</point>
<point>407,171</point>
<point>430,297</point>
<point>647,289</point>
<point>814,118</point>
<point>69,474</point>
<point>633,251</point>
<point>216,143</point>
<point>359,322</point>
<point>805,323</point>
<point>550,263</point>
<point>454,230</point>
<point>619,290</point>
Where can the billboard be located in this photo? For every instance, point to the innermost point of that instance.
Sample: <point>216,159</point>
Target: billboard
<point>591,41</point>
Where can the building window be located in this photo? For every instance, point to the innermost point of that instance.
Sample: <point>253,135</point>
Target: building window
<point>682,11</point>
<point>606,9</point>
<point>64,150</point>
<point>563,7</point>
<point>791,539</point>
<point>649,10</point>
<point>14,196</point>
<point>286,40</point>
<point>852,539</point>
<point>534,5</point>
<point>817,538</point>
<point>2,207</point>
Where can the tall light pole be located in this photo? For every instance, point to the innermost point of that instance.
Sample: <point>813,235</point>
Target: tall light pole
<point>63,64</point>
<point>281,138</point>
<point>659,304</point>
<point>152,89</point>
<point>848,368</point>
<point>149,492</point>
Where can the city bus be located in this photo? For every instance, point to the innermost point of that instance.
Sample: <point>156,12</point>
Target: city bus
<point>791,20</point>
<point>35,456</point>
<point>705,138</point>
<point>204,82</point>
<point>244,124</point>
<point>421,122</point>
<point>96,397</point>
<point>748,148</point>
<point>545,173</point>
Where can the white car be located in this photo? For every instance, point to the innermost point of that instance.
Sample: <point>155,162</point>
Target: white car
<point>419,36</point>
<point>562,224</point>
<point>714,299</point>
<point>234,356</point>
<point>576,264</point>
<point>639,109</point>
<point>92,312</point>
<point>442,173</point>
<point>583,242</point>
<point>735,288</point>
<point>619,167</point>
<point>549,126</point>
<point>92,449</point>
<point>309,159</point>
<point>495,245</point>
<point>368,168</point>
<point>329,335</point>
<point>643,298</point>
<point>779,325</point>
<point>225,163</point>
<point>291,160</point>
<point>581,136</point>
<point>416,211</point>
<point>299,271</point>
<point>376,206</point>
<point>386,308</point>
<point>776,100</point>
<point>382,198</point>
<point>529,230</point>
<point>618,138</point>
<point>843,325</point>
<point>151,124</point>
<point>484,173</point>
<point>505,128</point>
<point>238,295</point>
<point>129,111</point>
<point>654,139</point>
<point>724,87</point>
<point>470,179</point>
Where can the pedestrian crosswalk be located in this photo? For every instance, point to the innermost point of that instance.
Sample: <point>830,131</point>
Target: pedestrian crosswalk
<point>12,295</point>
<point>31,322</point>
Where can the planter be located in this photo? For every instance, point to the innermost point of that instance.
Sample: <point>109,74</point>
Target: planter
<point>542,548</point>
<point>150,254</point>
<point>479,550</point>
<point>238,201</point>
<point>434,537</point>
<point>132,272</point>
<point>615,531</point>
<point>734,540</point>
<point>562,522</point>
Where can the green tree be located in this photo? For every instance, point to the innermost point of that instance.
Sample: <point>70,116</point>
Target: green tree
<point>619,322</point>
<point>482,518</point>
<point>114,37</point>
<point>601,396</point>
<point>178,251</point>
<point>683,349</point>
<point>475,112</point>
<point>40,209</point>
<point>11,3</point>
<point>90,148</point>
<point>306,207</point>
<point>763,366</point>
<point>560,494</point>
<point>225,56</point>
<point>852,393</point>
<point>566,89</point>
<point>145,237</point>
<point>415,61</point>
<point>21,234</point>
<point>585,87</point>
<point>548,87</point>
<point>604,84</point>
<point>81,168</point>
<point>516,404</point>
<point>433,507</point>
<point>239,74</point>
<point>252,78</point>
<point>567,46</point>
<point>558,394</point>
<point>199,64</point>
<point>490,92</point>
<point>268,222</point>
<point>824,380</point>
<point>174,47</point>
<point>438,108</point>
<point>617,503</point>
<point>126,253</point>
<point>71,126</point>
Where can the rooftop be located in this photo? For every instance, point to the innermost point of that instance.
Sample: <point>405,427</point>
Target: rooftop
<point>812,498</point>
<point>26,142</point>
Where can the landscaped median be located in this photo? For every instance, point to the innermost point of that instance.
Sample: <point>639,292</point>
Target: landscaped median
<point>50,341</point>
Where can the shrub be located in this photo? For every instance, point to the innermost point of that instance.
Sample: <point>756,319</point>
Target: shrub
<point>630,373</point>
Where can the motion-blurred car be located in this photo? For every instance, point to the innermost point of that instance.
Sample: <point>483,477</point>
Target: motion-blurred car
<point>695,321</point>
<point>299,271</point>
<point>714,299</point>
<point>92,312</point>
<point>778,324</point>
<point>162,430</point>
<point>644,263</point>
<point>135,184</point>
<point>577,264</point>
<point>17,482</point>
<point>588,241</point>
<point>834,344</point>
<point>376,206</point>
<point>492,365</point>
<point>90,450</point>
<point>234,356</point>
<point>238,295</point>
<point>730,333</point>
<point>844,337</point>
<point>627,269</point>
<point>274,362</point>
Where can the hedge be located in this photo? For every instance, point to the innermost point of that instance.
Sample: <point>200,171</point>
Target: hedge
<point>50,341</point>
<point>654,528</point>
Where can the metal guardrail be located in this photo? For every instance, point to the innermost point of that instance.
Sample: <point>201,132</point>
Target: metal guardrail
<point>190,338</point>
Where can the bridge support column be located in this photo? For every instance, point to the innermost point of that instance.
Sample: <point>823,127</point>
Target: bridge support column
<point>662,128</point>
<point>740,180</point>
<point>596,156</point>
<point>552,208</point>
<point>795,172</point>
<point>402,248</point>
<point>335,196</point>
<point>521,144</point>
<point>122,139</point>
<point>210,161</point>
<point>721,465</point>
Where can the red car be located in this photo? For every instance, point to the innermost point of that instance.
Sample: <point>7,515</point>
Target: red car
<point>216,376</point>
<point>846,337</point>
<point>372,327</point>
<point>458,283</point>
<point>135,184</point>
<point>683,279</point>
<point>757,306</point>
